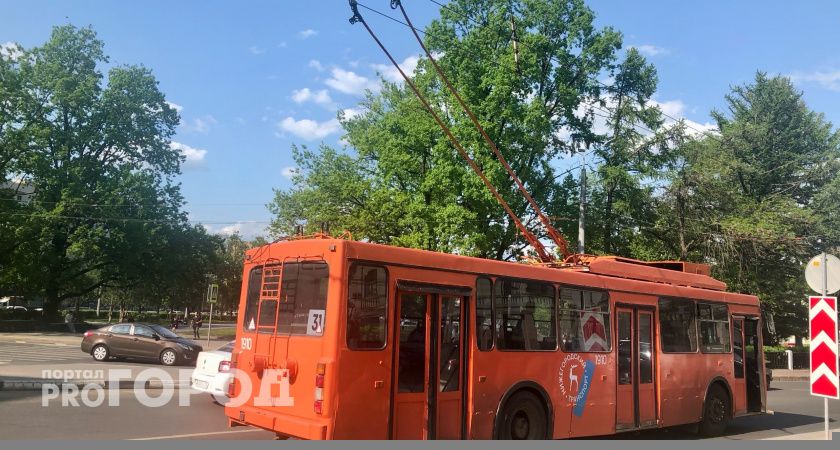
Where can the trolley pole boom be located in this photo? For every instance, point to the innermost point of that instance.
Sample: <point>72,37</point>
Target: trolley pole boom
<point>553,233</point>
<point>542,252</point>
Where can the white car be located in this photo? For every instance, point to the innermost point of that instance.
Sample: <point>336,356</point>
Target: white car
<point>212,373</point>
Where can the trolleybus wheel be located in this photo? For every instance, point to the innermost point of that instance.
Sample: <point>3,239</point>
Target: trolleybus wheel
<point>523,417</point>
<point>715,412</point>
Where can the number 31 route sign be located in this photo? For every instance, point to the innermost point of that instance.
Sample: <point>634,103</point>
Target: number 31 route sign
<point>823,324</point>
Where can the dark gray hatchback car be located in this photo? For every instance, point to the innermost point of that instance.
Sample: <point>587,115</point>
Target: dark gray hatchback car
<point>140,341</point>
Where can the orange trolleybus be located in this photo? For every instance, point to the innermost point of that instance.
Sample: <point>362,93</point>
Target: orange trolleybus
<point>340,339</point>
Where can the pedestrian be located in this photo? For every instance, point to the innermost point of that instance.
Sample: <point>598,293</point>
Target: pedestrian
<point>196,324</point>
<point>69,321</point>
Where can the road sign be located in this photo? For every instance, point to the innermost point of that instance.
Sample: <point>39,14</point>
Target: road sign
<point>212,293</point>
<point>820,266</point>
<point>823,325</point>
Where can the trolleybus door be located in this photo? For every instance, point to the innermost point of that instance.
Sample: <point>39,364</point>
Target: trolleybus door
<point>429,362</point>
<point>739,391</point>
<point>636,388</point>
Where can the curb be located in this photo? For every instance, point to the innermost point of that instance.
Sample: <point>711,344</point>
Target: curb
<point>38,385</point>
<point>791,378</point>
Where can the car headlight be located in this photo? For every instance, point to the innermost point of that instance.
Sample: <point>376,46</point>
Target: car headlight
<point>184,346</point>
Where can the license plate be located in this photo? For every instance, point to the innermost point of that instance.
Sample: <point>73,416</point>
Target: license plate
<point>201,384</point>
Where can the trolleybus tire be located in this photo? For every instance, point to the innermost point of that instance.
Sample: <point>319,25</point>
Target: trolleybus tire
<point>523,417</point>
<point>716,412</point>
<point>100,352</point>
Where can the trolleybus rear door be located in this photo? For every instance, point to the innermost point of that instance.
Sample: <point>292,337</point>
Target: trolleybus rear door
<point>636,388</point>
<point>428,391</point>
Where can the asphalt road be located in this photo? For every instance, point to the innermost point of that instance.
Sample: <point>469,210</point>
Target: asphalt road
<point>27,358</point>
<point>25,418</point>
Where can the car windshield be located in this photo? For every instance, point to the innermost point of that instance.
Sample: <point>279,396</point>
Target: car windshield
<point>163,331</point>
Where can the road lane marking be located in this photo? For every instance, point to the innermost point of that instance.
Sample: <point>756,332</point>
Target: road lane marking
<point>179,436</point>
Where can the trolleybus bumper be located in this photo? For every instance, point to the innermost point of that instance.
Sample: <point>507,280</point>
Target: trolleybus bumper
<point>312,429</point>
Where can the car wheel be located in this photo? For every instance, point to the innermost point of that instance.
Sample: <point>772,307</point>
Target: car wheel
<point>99,352</point>
<point>715,412</point>
<point>523,417</point>
<point>168,357</point>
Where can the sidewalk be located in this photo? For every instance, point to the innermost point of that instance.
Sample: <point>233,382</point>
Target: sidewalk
<point>810,436</point>
<point>67,338</point>
<point>791,375</point>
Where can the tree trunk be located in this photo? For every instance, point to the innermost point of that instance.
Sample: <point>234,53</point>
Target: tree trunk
<point>51,302</point>
<point>608,222</point>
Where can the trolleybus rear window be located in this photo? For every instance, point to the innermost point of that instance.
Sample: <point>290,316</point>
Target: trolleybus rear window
<point>302,299</point>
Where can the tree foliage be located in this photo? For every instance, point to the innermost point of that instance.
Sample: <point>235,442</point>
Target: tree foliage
<point>406,185</point>
<point>106,212</point>
<point>755,199</point>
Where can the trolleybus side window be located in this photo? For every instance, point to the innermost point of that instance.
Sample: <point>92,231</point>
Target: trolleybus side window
<point>367,304</point>
<point>525,315</point>
<point>677,325</point>
<point>484,314</point>
<point>738,343</point>
<point>714,328</point>
<point>584,320</point>
<point>253,299</point>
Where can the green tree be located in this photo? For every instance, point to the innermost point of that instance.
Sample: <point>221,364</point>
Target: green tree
<point>626,154</point>
<point>406,185</point>
<point>97,152</point>
<point>756,200</point>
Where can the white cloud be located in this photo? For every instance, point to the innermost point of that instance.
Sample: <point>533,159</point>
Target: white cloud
<point>194,156</point>
<point>828,80</point>
<point>283,44</point>
<point>289,172</point>
<point>390,73</point>
<point>309,129</point>
<point>247,229</point>
<point>675,109</point>
<point>315,64</point>
<point>321,97</point>
<point>307,33</point>
<point>350,82</point>
<point>256,50</point>
<point>672,108</point>
<point>651,50</point>
<point>350,113</point>
<point>199,124</point>
<point>175,106</point>
<point>11,51</point>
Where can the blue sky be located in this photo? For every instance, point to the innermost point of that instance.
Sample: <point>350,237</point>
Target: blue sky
<point>252,78</point>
